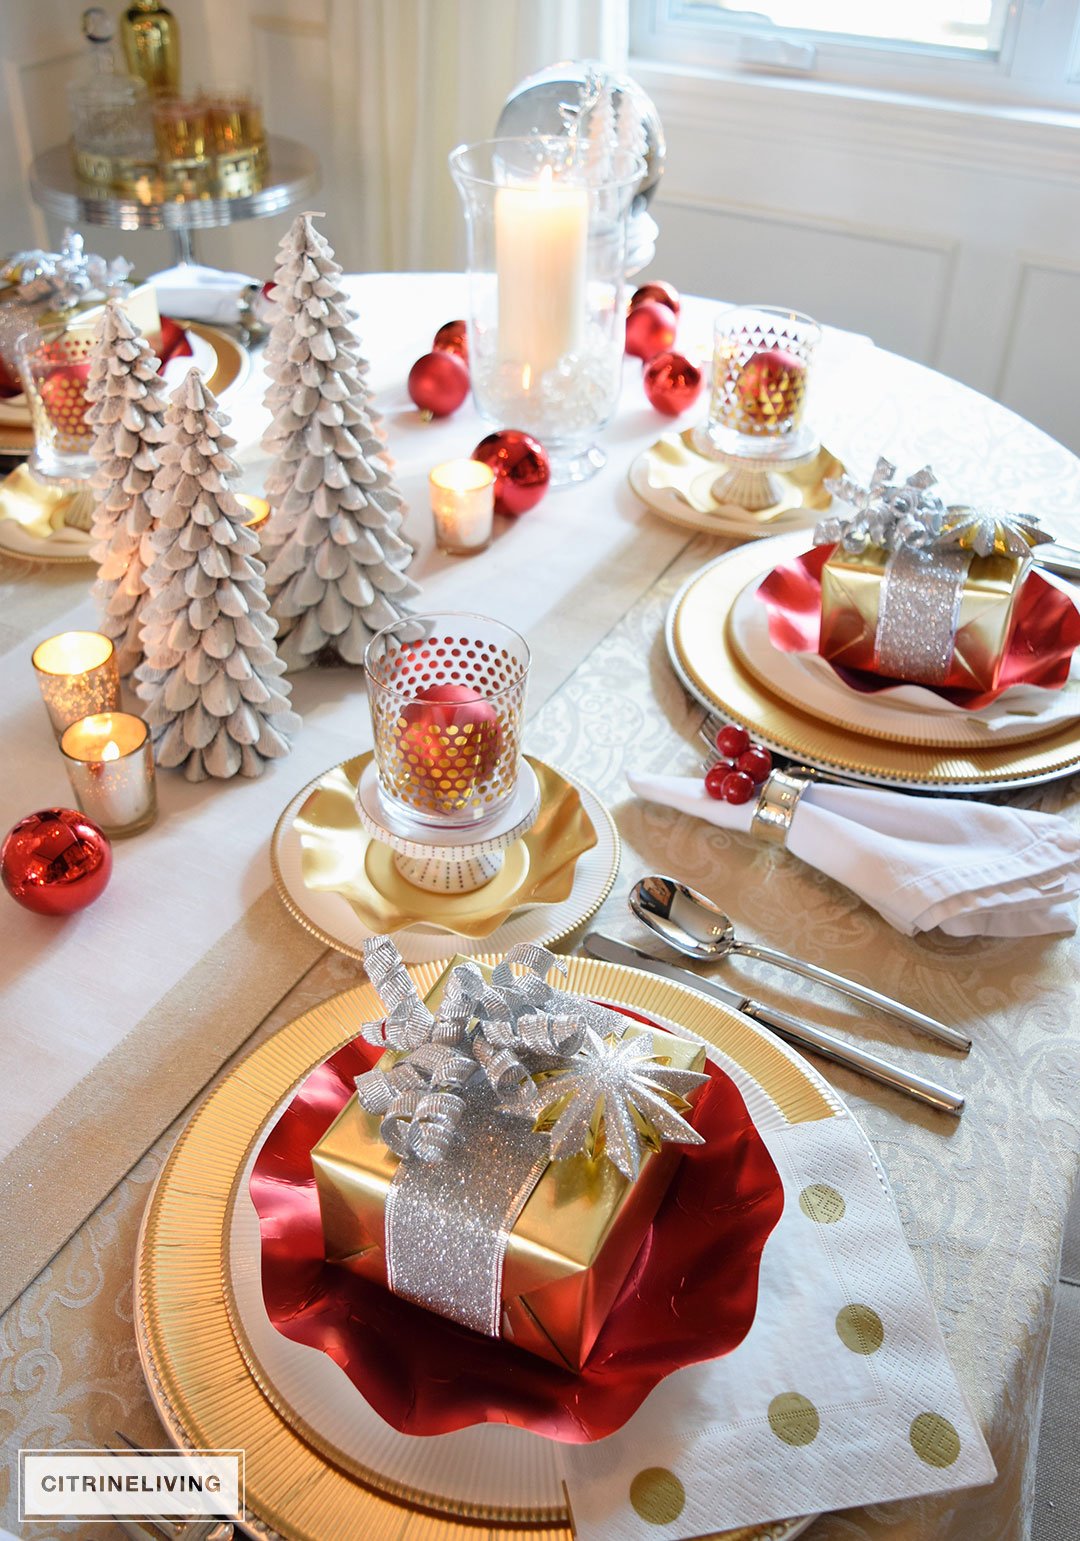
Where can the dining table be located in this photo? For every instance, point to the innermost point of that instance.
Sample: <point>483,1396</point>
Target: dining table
<point>117,1021</point>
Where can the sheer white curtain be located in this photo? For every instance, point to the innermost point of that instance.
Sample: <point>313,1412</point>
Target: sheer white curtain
<point>413,78</point>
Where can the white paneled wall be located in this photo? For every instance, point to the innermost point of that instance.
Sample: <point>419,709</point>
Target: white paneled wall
<point>949,235</point>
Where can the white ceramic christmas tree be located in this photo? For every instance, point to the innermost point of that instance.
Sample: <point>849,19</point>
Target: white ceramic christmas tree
<point>335,561</point>
<point>127,398</point>
<point>216,703</point>
<point>601,142</point>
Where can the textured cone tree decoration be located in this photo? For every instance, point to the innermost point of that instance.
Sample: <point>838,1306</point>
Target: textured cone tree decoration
<point>215,701</point>
<point>336,564</point>
<point>127,398</point>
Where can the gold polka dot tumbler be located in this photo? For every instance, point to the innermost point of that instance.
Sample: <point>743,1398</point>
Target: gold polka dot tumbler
<point>447,696</point>
<point>54,364</point>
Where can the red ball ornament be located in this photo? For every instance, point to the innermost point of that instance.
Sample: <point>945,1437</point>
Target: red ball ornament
<point>732,741</point>
<point>55,862</point>
<point>672,383</point>
<point>771,386</point>
<point>650,329</point>
<point>439,383</point>
<point>63,394</point>
<point>736,787</point>
<point>450,738</point>
<point>452,337</point>
<point>521,466</point>
<point>714,778</point>
<point>663,293</point>
<point>756,763</point>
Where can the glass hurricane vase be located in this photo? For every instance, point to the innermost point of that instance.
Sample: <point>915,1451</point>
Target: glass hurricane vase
<point>546,222</point>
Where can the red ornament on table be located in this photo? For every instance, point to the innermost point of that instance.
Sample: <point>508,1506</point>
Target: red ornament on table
<point>672,383</point>
<point>771,385</point>
<point>663,293</point>
<point>55,862</point>
<point>650,329</point>
<point>438,383</point>
<point>521,466</point>
<point>453,337</point>
<point>449,735</point>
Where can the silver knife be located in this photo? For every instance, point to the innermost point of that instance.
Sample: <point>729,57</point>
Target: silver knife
<point>800,1034</point>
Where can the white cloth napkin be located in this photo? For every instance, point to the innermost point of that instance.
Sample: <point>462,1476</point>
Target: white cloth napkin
<point>969,868</point>
<point>197,293</point>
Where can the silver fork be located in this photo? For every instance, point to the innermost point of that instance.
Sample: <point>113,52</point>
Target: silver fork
<point>159,1528</point>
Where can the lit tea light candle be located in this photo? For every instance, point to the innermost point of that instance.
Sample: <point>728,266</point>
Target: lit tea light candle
<point>77,675</point>
<point>463,502</point>
<point>258,510</point>
<point>110,765</point>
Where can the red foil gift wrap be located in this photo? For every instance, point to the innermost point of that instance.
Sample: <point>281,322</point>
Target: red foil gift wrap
<point>691,1293</point>
<point>1044,635</point>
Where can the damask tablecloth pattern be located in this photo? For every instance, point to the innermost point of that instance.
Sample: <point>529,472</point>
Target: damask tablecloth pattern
<point>982,1201</point>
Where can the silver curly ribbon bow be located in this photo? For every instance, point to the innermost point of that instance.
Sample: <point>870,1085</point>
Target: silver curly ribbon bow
<point>459,1106</point>
<point>930,551</point>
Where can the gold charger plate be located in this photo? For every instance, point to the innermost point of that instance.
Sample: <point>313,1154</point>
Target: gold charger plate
<point>195,1368</point>
<point>675,480</point>
<point>231,360</point>
<point>701,651</point>
<point>339,856</point>
<point>557,876</point>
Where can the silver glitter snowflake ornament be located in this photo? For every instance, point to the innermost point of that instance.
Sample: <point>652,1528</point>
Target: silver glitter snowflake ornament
<point>612,1098</point>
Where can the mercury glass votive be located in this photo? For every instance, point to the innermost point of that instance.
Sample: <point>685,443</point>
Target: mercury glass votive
<point>77,675</point>
<point>447,696</point>
<point>463,503</point>
<point>110,764</point>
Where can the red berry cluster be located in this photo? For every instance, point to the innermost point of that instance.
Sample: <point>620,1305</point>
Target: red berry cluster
<point>741,770</point>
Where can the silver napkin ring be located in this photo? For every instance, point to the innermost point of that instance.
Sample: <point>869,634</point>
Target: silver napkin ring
<point>776,804</point>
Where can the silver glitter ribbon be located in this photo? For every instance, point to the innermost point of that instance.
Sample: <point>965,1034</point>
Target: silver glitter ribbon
<point>930,550</point>
<point>458,1109</point>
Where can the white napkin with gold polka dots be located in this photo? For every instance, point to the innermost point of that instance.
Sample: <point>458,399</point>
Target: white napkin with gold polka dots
<point>841,1393</point>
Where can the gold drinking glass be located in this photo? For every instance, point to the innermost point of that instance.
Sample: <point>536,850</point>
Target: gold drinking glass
<point>447,695</point>
<point>77,675</point>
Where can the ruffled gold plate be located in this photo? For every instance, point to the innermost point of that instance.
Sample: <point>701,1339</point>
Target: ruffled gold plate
<point>338,856</point>
<point>199,1378</point>
<point>676,481</point>
<point>705,659</point>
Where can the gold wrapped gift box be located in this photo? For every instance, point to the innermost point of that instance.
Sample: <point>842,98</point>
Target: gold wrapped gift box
<point>851,589</point>
<point>571,1249</point>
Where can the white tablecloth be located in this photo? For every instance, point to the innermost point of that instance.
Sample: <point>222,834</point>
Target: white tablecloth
<point>587,576</point>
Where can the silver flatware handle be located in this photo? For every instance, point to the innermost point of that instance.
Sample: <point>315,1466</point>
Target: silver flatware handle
<point>804,1036</point>
<point>933,1029</point>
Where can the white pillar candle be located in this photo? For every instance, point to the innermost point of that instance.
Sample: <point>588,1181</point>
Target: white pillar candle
<point>463,502</point>
<point>541,252</point>
<point>110,765</point>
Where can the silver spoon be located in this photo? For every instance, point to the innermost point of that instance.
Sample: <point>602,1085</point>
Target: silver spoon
<point>692,924</point>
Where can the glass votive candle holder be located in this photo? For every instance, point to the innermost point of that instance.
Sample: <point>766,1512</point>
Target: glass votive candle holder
<point>110,764</point>
<point>54,364</point>
<point>77,675</point>
<point>761,375</point>
<point>258,510</point>
<point>447,695</point>
<point>463,503</point>
<point>234,119</point>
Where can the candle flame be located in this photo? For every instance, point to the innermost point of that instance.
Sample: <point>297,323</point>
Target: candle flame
<point>526,377</point>
<point>111,751</point>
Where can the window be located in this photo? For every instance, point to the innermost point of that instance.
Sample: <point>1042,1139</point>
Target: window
<point>1014,52</point>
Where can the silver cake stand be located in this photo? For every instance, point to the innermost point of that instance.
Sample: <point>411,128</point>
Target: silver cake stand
<point>292,174</point>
